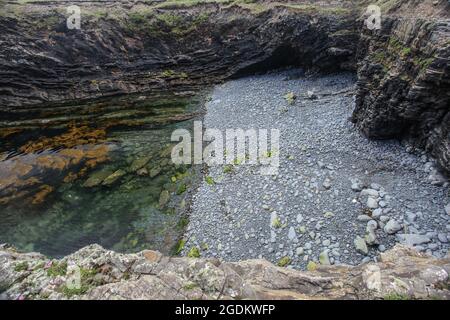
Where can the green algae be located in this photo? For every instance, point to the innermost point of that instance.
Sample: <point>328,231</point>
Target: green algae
<point>284,261</point>
<point>194,253</point>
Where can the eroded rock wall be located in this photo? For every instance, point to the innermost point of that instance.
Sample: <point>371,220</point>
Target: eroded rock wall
<point>404,77</point>
<point>124,48</point>
<point>401,273</point>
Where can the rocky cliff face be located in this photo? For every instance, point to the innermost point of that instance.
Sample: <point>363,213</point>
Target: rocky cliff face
<point>404,77</point>
<point>401,273</point>
<point>123,48</point>
<point>126,47</point>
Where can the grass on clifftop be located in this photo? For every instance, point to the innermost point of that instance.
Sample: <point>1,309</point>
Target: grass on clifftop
<point>20,8</point>
<point>388,5</point>
<point>165,23</point>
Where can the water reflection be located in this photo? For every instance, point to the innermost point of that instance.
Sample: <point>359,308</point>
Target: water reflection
<point>95,173</point>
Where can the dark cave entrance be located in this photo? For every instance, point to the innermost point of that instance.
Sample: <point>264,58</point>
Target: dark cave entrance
<point>287,56</point>
<point>284,56</point>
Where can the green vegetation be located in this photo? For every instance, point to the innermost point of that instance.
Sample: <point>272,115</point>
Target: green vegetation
<point>290,97</point>
<point>87,278</point>
<point>210,180</point>
<point>190,286</point>
<point>182,223</point>
<point>168,73</point>
<point>254,7</point>
<point>343,33</point>
<point>316,8</point>
<point>398,48</point>
<point>57,269</point>
<point>167,23</point>
<point>311,266</point>
<point>406,51</point>
<point>181,189</point>
<point>69,292</point>
<point>188,3</point>
<point>387,5</point>
<point>228,169</point>
<point>422,63</point>
<point>173,74</point>
<point>100,14</point>
<point>40,265</point>
<point>179,246</point>
<point>283,262</point>
<point>237,161</point>
<point>396,296</point>
<point>49,21</point>
<point>276,223</point>
<point>194,253</point>
<point>21,266</point>
<point>88,281</point>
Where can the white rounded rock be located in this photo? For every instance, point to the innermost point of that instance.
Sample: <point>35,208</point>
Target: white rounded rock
<point>372,203</point>
<point>392,226</point>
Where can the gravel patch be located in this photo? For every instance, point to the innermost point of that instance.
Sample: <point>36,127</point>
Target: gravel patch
<point>338,197</point>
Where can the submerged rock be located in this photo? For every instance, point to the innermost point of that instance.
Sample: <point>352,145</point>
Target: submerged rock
<point>97,178</point>
<point>111,179</point>
<point>155,171</point>
<point>139,163</point>
<point>164,198</point>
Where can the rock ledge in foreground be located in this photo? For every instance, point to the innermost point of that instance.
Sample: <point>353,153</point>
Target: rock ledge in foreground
<point>401,273</point>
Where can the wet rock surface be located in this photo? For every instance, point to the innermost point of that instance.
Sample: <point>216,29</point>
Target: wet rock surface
<point>293,216</point>
<point>401,273</point>
<point>95,175</point>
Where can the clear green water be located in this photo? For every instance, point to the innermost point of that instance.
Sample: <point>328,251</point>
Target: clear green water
<point>118,200</point>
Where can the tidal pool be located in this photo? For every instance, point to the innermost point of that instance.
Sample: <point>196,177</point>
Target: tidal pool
<point>98,172</point>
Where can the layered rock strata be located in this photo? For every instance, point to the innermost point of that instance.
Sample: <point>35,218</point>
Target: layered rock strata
<point>401,273</point>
